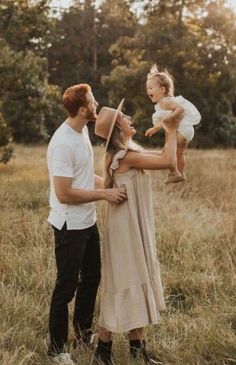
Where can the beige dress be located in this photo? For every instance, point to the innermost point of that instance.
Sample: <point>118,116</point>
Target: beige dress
<point>131,289</point>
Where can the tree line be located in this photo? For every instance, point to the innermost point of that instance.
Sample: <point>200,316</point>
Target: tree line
<point>111,45</point>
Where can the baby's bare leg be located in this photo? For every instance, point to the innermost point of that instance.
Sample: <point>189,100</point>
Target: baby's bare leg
<point>174,171</point>
<point>174,175</point>
<point>181,148</point>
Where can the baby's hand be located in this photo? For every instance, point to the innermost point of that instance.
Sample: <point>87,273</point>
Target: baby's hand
<point>150,131</point>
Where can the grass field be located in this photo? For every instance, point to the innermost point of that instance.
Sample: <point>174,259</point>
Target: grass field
<point>196,240</point>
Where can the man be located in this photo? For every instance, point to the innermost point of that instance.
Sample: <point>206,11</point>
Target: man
<point>73,191</point>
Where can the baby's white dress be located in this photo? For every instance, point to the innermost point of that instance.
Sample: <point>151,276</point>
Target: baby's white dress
<point>190,118</point>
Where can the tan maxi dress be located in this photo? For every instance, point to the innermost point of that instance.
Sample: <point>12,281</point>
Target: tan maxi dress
<point>131,289</point>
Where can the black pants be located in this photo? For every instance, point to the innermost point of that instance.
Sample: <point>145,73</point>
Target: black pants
<point>78,274</point>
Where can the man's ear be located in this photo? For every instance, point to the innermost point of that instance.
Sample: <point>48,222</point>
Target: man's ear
<point>82,111</point>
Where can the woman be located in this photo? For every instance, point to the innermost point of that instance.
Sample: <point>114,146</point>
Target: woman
<point>131,290</point>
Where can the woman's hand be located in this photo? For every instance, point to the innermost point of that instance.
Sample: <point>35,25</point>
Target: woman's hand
<point>171,124</point>
<point>173,120</point>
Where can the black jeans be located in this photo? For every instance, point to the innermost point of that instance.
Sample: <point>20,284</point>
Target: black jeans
<point>78,274</point>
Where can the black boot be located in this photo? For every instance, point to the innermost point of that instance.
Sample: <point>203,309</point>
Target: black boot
<point>103,353</point>
<point>138,351</point>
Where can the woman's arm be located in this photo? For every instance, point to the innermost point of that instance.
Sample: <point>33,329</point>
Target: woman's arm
<point>143,160</point>
<point>152,152</point>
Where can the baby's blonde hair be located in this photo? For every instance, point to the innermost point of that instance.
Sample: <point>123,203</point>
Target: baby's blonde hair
<point>165,79</point>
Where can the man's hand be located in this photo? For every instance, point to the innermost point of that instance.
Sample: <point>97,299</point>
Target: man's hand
<point>150,131</point>
<point>116,196</point>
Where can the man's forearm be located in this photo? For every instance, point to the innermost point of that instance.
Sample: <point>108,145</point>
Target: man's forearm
<point>99,182</point>
<point>81,196</point>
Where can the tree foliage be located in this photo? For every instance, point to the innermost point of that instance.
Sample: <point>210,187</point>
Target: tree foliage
<point>195,41</point>
<point>111,45</point>
<point>84,36</point>
<point>6,149</point>
<point>27,100</point>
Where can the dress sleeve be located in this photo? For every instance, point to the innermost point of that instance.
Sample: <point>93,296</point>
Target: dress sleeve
<point>159,116</point>
<point>115,162</point>
<point>156,118</point>
<point>168,98</point>
<point>191,113</point>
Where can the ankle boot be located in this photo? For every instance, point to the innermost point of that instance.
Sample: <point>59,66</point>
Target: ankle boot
<point>138,351</point>
<point>103,353</point>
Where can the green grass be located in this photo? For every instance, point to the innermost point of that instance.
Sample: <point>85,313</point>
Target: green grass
<point>196,242</point>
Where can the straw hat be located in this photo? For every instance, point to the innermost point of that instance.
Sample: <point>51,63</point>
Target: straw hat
<point>106,121</point>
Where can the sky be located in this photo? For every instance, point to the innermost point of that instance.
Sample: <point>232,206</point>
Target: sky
<point>62,3</point>
<point>66,3</point>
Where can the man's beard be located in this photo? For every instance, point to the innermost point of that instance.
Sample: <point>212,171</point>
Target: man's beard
<point>91,116</point>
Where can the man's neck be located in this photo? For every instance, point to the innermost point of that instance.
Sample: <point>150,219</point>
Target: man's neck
<point>77,123</point>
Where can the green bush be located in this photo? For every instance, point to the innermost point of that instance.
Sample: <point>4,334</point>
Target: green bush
<point>6,151</point>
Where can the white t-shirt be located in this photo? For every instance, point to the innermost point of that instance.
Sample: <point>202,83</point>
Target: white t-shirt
<point>70,154</point>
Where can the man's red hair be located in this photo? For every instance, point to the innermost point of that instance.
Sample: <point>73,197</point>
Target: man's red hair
<point>75,97</point>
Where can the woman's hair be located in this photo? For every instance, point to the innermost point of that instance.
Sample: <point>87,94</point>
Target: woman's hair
<point>164,78</point>
<point>117,143</point>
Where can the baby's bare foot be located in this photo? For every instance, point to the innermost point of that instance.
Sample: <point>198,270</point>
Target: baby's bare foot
<point>174,178</point>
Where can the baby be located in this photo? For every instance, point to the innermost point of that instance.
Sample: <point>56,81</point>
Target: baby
<point>160,89</point>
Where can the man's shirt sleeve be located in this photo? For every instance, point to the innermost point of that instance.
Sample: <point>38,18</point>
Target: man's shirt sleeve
<point>62,161</point>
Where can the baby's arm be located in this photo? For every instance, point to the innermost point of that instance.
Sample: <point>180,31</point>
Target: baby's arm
<point>177,109</point>
<point>150,131</point>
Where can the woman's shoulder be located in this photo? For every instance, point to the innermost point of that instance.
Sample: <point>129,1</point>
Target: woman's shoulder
<point>117,158</point>
<point>121,162</point>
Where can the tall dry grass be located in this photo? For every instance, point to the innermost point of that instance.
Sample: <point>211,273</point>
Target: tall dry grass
<point>196,242</point>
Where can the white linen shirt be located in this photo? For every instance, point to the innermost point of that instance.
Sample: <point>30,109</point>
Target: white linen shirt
<point>70,154</point>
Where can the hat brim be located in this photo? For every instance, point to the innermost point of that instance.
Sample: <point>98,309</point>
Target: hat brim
<point>114,122</point>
